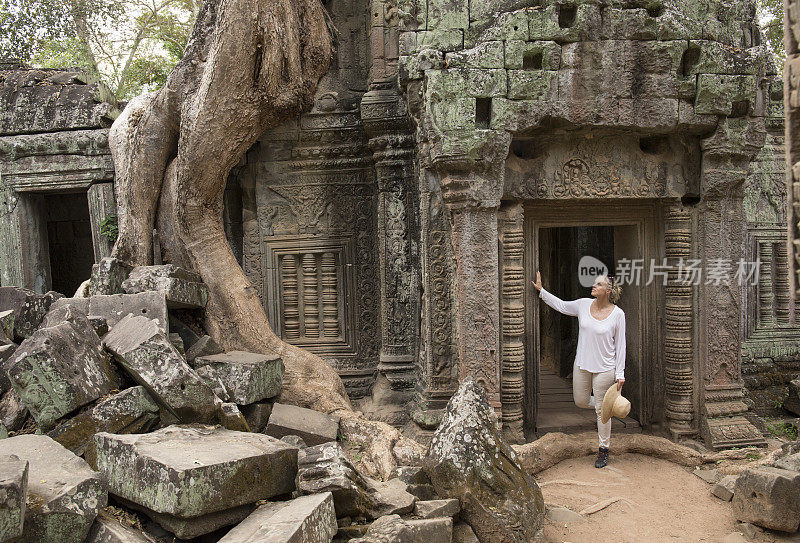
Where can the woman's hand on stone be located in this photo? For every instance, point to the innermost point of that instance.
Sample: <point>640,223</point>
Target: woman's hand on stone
<point>538,283</point>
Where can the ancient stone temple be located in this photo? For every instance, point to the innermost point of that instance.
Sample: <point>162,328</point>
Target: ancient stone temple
<point>458,146</point>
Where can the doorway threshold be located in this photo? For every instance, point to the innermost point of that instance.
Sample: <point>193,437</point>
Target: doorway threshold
<point>574,420</point>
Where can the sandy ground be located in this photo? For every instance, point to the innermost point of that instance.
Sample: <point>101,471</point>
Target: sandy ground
<point>660,502</point>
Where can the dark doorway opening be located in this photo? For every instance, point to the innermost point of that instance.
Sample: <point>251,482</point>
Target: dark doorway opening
<point>69,240</point>
<point>560,251</point>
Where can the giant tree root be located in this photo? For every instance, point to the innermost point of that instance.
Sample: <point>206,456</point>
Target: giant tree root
<point>551,449</point>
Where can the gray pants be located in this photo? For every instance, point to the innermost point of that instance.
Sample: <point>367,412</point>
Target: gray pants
<point>583,384</point>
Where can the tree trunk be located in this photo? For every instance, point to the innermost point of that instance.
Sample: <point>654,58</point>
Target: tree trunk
<point>249,65</point>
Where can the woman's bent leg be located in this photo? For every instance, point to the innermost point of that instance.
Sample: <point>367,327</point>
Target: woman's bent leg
<point>600,384</point>
<point>581,386</point>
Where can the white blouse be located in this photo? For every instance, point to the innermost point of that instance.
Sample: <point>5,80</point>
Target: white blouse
<point>601,343</point>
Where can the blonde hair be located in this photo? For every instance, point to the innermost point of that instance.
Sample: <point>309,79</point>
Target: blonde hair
<point>615,290</point>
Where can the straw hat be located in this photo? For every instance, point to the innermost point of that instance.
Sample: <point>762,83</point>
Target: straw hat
<point>614,404</point>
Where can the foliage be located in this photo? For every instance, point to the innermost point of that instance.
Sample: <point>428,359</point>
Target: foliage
<point>109,228</point>
<point>782,428</point>
<point>131,45</point>
<point>770,15</point>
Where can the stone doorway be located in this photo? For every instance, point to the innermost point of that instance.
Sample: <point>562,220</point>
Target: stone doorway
<point>556,237</point>
<point>69,240</point>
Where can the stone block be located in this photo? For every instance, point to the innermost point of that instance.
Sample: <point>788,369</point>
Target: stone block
<point>7,324</point>
<point>189,528</point>
<point>412,475</point>
<point>181,288</point>
<point>789,457</point>
<point>442,40</point>
<point>532,84</point>
<point>14,490</point>
<point>12,411</point>
<point>177,342</point>
<point>484,55</point>
<point>60,368</point>
<point>142,348</point>
<point>189,471</point>
<point>6,353</point>
<point>113,308</point>
<point>520,55</point>
<point>257,415</point>
<point>711,476</point>
<point>432,529</point>
<point>68,493</point>
<point>294,441</point>
<point>231,418</point>
<point>307,519</point>
<point>462,533</point>
<point>448,14</point>
<point>107,276</point>
<point>107,529</point>
<point>724,488</point>
<point>205,346</point>
<point>717,94</point>
<point>247,377</point>
<point>394,529</point>
<point>29,308</point>
<point>437,508</point>
<point>130,411</point>
<point>768,497</point>
<point>314,427</point>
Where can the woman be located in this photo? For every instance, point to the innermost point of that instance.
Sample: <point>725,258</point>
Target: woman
<point>600,357</point>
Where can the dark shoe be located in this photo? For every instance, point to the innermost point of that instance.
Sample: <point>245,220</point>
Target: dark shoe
<point>602,458</point>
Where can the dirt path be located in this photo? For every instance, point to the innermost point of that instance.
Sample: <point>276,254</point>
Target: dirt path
<point>658,502</point>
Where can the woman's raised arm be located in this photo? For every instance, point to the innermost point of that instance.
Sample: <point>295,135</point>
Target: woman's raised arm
<point>567,308</point>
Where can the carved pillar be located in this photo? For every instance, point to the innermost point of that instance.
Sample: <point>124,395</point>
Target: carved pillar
<point>390,131</point>
<point>101,205</point>
<point>726,156</point>
<point>791,100</point>
<point>679,324</point>
<point>512,363</point>
<point>782,294</point>
<point>766,297</point>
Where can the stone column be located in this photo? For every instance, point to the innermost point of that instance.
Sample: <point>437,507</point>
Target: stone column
<point>726,156</point>
<point>791,101</point>
<point>679,325</point>
<point>101,205</point>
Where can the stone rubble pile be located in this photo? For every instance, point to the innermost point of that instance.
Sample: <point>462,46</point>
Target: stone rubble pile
<point>121,423</point>
<point>766,495</point>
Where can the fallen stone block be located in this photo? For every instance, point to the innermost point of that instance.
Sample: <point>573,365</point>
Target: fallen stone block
<point>307,519</point>
<point>121,413</point>
<point>413,475</point>
<point>14,491</point>
<point>189,528</point>
<point>463,533</point>
<point>107,276</point>
<point>142,348</point>
<point>424,492</point>
<point>789,457</point>
<point>60,368</point>
<point>326,468</point>
<point>294,441</point>
<point>7,325</point>
<point>188,471</point>
<point>12,411</point>
<point>205,346</point>
<point>6,353</point>
<point>724,488</point>
<point>792,402</point>
<point>182,289</point>
<point>393,529</point>
<point>432,529</point>
<point>107,529</point>
<point>177,342</point>
<point>29,308</point>
<point>768,497</point>
<point>711,476</point>
<point>114,308</point>
<point>231,418</point>
<point>257,415</point>
<point>469,460</point>
<point>99,324</point>
<point>314,427</point>
<point>437,508</point>
<point>247,377</point>
<point>68,494</point>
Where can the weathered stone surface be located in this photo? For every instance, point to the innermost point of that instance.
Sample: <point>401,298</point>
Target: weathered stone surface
<point>107,529</point>
<point>469,460</point>
<point>107,277</point>
<point>413,475</point>
<point>231,418</point>
<point>129,411</point>
<point>326,468</point>
<point>724,488</point>
<point>12,411</point>
<point>205,346</point>
<point>294,441</point>
<point>314,427</point>
<point>424,492</point>
<point>437,508</point>
<point>563,515</point>
<point>711,476</point>
<point>6,353</point>
<point>257,415</point>
<point>142,348</point>
<point>182,289</point>
<point>7,324</point>
<point>247,377</point>
<point>189,528</point>
<point>789,457</point>
<point>792,402</point>
<point>177,342</point>
<point>463,533</point>
<point>29,308</point>
<point>115,307</point>
<point>768,497</point>
<point>307,519</point>
<point>68,494</point>
<point>99,324</point>
<point>188,471</point>
<point>14,491</point>
<point>60,368</point>
<point>393,529</point>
